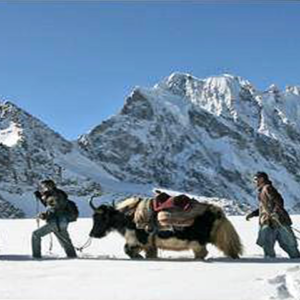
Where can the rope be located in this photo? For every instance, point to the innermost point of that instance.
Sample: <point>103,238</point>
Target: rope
<point>281,225</point>
<point>295,229</point>
<point>80,249</point>
<point>37,211</point>
<point>50,244</point>
<point>86,244</point>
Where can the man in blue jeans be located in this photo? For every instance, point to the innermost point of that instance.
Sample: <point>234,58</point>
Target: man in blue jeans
<point>274,221</point>
<point>56,217</point>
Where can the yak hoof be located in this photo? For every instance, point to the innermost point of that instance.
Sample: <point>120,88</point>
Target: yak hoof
<point>133,251</point>
<point>137,256</point>
<point>151,253</point>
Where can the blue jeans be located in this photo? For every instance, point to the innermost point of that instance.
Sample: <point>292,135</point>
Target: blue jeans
<point>284,235</point>
<point>59,228</point>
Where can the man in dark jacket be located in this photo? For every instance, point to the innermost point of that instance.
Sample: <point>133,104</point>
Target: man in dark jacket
<point>274,221</point>
<point>56,217</point>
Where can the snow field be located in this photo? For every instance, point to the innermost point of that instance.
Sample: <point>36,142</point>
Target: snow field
<point>104,271</point>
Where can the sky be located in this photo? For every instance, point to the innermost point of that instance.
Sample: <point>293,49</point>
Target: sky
<point>73,63</point>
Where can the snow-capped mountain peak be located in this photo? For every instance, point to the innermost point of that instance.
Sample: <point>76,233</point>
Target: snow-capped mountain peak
<point>225,95</point>
<point>29,152</point>
<point>199,136</point>
<point>10,134</point>
<point>207,136</point>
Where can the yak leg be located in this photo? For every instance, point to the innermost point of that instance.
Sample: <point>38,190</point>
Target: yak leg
<point>151,249</point>
<point>133,251</point>
<point>151,252</point>
<point>132,248</point>
<point>200,251</point>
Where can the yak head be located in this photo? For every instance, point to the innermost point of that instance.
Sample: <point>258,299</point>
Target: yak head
<point>105,219</point>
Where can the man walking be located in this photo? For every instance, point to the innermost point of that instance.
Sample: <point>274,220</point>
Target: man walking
<point>274,221</point>
<point>56,217</point>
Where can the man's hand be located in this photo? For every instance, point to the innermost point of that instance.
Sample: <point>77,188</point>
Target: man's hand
<point>42,216</point>
<point>38,194</point>
<point>254,213</point>
<point>249,216</point>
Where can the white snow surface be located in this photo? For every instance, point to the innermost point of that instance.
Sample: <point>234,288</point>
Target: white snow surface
<point>10,135</point>
<point>103,271</point>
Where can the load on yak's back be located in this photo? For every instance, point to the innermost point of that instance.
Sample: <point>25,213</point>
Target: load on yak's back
<point>164,222</point>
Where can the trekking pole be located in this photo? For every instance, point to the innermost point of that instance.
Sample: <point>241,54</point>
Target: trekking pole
<point>37,211</point>
<point>50,244</point>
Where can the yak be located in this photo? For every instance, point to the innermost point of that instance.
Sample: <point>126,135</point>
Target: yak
<point>210,227</point>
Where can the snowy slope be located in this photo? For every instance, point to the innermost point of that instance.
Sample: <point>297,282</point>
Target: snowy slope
<point>203,136</point>
<point>29,152</point>
<point>10,135</point>
<point>103,270</point>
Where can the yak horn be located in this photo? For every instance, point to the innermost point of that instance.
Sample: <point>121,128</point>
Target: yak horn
<point>91,202</point>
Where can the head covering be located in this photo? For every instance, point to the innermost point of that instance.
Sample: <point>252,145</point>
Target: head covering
<point>261,175</point>
<point>49,183</point>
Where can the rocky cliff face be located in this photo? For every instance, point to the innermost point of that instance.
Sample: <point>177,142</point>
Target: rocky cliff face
<point>203,136</point>
<point>28,147</point>
<point>8,211</point>
<point>29,152</point>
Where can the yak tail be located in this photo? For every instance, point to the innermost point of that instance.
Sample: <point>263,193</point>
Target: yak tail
<point>225,237</point>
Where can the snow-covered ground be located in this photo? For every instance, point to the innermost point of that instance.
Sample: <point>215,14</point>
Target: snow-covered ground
<point>103,271</point>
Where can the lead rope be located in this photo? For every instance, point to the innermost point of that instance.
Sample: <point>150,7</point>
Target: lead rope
<point>280,224</point>
<point>295,229</point>
<point>298,231</point>
<point>85,245</point>
<point>80,249</point>
<point>37,211</point>
<point>50,243</point>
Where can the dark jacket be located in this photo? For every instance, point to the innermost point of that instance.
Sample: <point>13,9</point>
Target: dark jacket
<point>271,207</point>
<point>55,201</point>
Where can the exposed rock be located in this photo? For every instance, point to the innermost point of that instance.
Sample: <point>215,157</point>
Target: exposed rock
<point>203,136</point>
<point>8,211</point>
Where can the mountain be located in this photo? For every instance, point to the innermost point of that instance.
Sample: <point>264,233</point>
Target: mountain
<point>30,152</point>
<point>203,136</point>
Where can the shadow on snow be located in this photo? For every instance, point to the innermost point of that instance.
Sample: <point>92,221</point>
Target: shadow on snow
<point>243,260</point>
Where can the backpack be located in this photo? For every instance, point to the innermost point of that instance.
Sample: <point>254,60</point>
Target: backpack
<point>72,211</point>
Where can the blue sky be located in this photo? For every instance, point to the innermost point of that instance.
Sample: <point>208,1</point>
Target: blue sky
<point>72,64</point>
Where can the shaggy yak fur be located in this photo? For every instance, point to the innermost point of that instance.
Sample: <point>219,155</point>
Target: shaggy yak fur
<point>210,227</point>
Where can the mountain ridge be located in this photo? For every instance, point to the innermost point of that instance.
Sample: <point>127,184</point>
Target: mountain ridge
<point>199,136</point>
<point>215,133</point>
